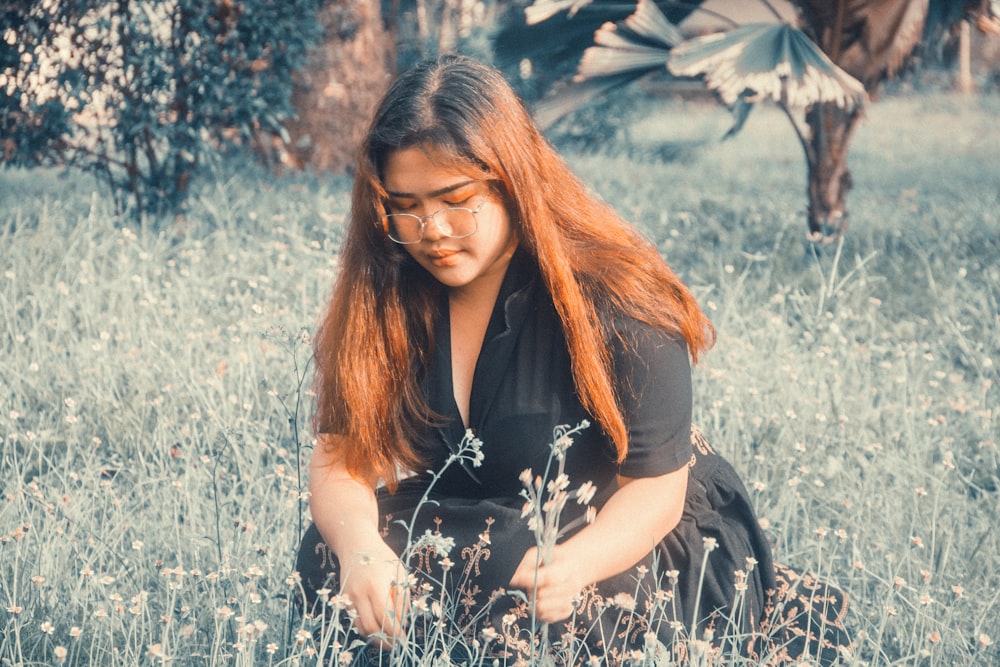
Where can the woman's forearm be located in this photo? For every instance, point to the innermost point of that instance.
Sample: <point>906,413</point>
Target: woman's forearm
<point>629,526</point>
<point>371,576</point>
<point>343,507</point>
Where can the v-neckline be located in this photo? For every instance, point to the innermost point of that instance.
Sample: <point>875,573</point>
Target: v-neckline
<point>499,342</point>
<point>496,348</point>
<point>470,330</point>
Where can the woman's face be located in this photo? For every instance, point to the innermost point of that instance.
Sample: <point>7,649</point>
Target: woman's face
<point>421,180</point>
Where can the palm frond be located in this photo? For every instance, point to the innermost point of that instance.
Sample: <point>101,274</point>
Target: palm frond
<point>651,23</point>
<point>873,39</point>
<point>543,10</point>
<point>576,95</point>
<point>640,42</point>
<point>769,60</point>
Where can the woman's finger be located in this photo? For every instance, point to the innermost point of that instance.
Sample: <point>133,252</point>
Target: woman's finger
<point>556,597</point>
<point>554,610</point>
<point>396,613</point>
<point>527,575</point>
<point>365,622</point>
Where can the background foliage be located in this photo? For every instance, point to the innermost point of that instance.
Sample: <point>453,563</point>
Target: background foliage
<point>142,94</point>
<point>145,94</point>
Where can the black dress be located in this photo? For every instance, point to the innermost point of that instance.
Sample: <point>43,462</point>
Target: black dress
<point>522,400</point>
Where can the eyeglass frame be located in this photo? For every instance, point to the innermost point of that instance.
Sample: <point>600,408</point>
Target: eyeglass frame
<point>423,221</point>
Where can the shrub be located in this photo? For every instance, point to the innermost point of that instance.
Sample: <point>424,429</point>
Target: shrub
<point>141,93</point>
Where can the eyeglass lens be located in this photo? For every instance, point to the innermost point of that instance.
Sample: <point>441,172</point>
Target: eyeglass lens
<point>451,222</point>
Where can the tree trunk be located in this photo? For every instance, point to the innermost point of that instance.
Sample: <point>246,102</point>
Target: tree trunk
<point>830,132</point>
<point>448,32</point>
<point>964,84</point>
<point>335,94</point>
<point>423,27</point>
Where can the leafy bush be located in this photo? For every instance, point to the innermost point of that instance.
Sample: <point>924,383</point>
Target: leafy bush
<point>140,93</point>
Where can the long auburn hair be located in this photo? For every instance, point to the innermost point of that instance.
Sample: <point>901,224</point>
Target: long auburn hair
<point>377,334</point>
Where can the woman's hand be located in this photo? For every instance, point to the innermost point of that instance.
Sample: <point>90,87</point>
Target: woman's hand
<point>375,581</point>
<point>586,558</point>
<point>556,589</point>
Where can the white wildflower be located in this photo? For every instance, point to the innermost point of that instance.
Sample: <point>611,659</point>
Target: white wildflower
<point>439,543</point>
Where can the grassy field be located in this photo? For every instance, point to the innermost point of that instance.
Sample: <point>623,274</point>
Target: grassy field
<point>154,406</point>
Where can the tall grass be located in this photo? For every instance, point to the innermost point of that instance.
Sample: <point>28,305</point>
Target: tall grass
<point>154,405</point>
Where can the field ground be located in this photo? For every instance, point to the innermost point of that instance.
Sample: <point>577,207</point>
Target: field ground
<point>153,411</point>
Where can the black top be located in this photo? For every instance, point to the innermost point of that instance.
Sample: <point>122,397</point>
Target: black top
<point>523,389</point>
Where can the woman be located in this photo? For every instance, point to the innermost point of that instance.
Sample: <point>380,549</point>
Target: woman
<point>484,290</point>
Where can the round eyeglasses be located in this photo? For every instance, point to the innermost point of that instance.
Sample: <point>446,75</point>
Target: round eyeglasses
<point>455,223</point>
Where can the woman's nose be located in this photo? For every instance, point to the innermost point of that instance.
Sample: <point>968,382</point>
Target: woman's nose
<point>432,232</point>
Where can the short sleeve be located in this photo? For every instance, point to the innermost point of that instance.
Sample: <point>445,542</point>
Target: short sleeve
<point>653,373</point>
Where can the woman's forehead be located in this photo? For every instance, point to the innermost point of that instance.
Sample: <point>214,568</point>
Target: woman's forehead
<point>426,171</point>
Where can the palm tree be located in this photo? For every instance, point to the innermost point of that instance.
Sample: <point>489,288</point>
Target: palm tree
<point>871,40</point>
<point>820,67</point>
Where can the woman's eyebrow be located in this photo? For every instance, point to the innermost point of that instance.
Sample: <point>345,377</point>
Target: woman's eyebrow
<point>435,193</point>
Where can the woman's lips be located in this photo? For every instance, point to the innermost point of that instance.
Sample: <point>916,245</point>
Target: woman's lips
<point>443,257</point>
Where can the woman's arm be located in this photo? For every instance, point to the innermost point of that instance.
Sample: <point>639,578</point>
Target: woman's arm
<point>345,511</point>
<point>632,522</point>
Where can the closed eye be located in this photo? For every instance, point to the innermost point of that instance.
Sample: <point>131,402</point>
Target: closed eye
<point>396,207</point>
<point>460,201</point>
<point>462,197</point>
